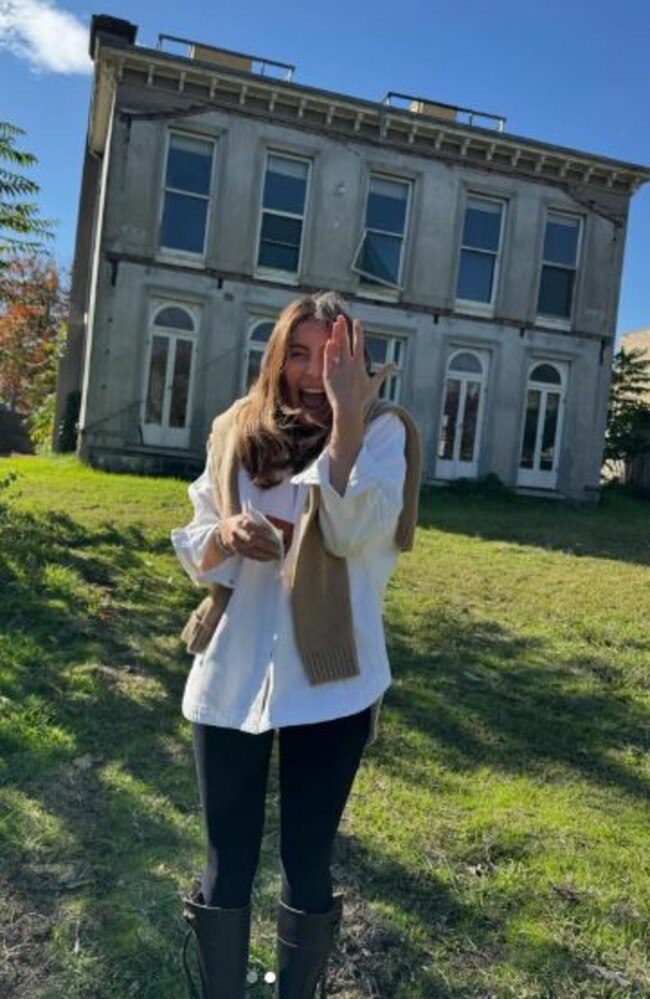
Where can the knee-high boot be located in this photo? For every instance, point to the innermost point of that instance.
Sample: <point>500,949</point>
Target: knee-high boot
<point>304,942</point>
<point>222,938</point>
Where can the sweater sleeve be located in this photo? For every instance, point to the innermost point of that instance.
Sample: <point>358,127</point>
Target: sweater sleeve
<point>191,541</point>
<point>369,509</point>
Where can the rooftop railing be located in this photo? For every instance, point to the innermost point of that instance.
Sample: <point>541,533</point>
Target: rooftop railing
<point>449,112</point>
<point>226,57</point>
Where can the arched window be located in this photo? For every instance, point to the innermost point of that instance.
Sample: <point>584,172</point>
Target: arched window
<point>175,318</point>
<point>462,413</point>
<point>542,428</point>
<point>257,341</point>
<point>171,357</point>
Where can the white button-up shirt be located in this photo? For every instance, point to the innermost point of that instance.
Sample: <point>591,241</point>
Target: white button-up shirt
<point>251,677</point>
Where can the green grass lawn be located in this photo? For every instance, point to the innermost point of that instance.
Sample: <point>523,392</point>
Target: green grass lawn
<point>497,842</point>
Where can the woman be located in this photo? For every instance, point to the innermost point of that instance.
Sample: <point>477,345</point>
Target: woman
<point>310,489</point>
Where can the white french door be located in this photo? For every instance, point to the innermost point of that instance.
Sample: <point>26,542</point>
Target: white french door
<point>462,415</point>
<point>171,360</point>
<point>542,429</point>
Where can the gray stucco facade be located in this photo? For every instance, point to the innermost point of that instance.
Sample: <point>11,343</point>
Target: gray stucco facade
<point>486,380</point>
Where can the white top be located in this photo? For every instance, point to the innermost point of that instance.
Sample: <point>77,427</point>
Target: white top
<point>251,676</point>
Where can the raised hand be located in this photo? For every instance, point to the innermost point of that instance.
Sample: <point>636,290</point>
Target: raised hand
<point>350,389</point>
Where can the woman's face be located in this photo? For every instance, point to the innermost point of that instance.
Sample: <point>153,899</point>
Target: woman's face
<point>303,372</point>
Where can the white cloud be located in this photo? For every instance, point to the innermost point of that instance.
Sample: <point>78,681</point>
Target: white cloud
<point>50,39</point>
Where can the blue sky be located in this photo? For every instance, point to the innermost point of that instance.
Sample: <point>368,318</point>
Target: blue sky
<point>571,72</point>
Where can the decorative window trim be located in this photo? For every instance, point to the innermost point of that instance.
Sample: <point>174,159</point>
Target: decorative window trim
<point>395,286</point>
<point>277,273</point>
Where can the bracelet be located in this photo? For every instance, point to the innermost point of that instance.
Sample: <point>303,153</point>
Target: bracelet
<point>220,544</point>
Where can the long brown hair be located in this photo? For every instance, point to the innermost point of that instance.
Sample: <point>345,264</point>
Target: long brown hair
<point>271,440</point>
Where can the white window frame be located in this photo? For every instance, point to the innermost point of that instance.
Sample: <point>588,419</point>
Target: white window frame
<point>469,304</point>
<point>394,381</point>
<point>162,435</point>
<point>455,467</point>
<point>253,347</point>
<point>261,270</point>
<point>169,252</point>
<point>372,280</point>
<point>536,477</point>
<point>560,322</point>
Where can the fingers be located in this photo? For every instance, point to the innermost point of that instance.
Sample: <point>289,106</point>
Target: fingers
<point>253,540</point>
<point>358,341</point>
<point>380,375</point>
<point>341,345</point>
<point>340,339</point>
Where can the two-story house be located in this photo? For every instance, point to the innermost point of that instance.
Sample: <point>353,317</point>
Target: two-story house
<point>215,189</point>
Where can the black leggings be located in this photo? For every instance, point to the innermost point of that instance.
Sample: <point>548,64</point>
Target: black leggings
<point>318,764</point>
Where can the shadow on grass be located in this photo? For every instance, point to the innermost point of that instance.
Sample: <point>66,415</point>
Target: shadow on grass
<point>618,527</point>
<point>103,827</point>
<point>487,698</point>
<point>102,820</point>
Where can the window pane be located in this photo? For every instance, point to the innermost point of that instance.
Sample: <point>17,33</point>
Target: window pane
<point>561,241</point>
<point>280,229</point>
<point>285,184</point>
<point>530,428</point>
<point>280,258</point>
<point>380,257</point>
<point>280,242</point>
<point>174,318</point>
<point>390,389</point>
<point>262,332</point>
<point>546,373</point>
<point>475,276</point>
<point>189,165</point>
<point>470,417</point>
<point>157,375</point>
<point>466,362</point>
<point>180,384</point>
<point>556,292</point>
<point>386,209</point>
<point>450,413</point>
<point>254,365</point>
<point>183,224</point>
<point>482,225</point>
<point>376,347</point>
<point>549,433</point>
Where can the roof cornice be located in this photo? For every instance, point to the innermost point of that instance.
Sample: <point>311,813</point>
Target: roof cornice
<point>207,87</point>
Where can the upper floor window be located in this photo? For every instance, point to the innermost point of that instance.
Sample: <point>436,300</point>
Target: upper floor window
<point>480,250</point>
<point>186,198</point>
<point>382,350</point>
<point>283,212</point>
<point>380,256</point>
<point>559,264</point>
<point>257,341</point>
